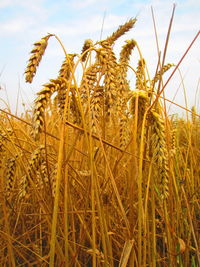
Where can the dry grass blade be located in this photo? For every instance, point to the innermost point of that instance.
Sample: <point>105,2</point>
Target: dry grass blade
<point>128,246</point>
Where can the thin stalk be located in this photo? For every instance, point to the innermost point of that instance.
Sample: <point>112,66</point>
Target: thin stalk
<point>153,226</point>
<point>134,173</point>
<point>175,69</point>
<point>191,225</point>
<point>59,173</point>
<point>103,226</point>
<point>140,178</point>
<point>146,213</point>
<point>66,216</point>
<point>11,256</point>
<point>116,191</point>
<point>57,194</point>
<point>134,165</point>
<point>166,45</point>
<point>185,95</point>
<point>169,238</point>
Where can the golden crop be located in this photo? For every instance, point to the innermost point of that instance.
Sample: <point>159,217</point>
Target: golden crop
<point>98,174</point>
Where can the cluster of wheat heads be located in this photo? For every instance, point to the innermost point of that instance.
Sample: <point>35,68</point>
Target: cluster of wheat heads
<point>95,175</point>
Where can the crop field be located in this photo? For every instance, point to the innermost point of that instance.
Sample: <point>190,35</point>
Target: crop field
<point>98,174</point>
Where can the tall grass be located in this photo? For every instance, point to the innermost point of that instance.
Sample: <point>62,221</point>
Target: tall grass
<point>98,174</point>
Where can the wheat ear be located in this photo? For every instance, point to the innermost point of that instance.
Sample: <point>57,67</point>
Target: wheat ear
<point>160,153</point>
<point>126,52</point>
<point>121,30</point>
<point>87,45</point>
<point>106,58</point>
<point>41,103</point>
<point>36,166</point>
<point>37,53</point>
<point>159,74</point>
<point>67,66</point>
<point>10,174</point>
<point>123,90</point>
<point>88,81</point>
<point>96,107</point>
<point>140,83</point>
<point>143,99</point>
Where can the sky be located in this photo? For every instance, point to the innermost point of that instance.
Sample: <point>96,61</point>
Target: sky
<point>24,22</point>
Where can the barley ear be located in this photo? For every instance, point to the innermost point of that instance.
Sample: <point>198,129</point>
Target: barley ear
<point>37,53</point>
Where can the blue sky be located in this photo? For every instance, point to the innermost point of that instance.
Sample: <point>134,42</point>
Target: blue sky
<point>23,22</point>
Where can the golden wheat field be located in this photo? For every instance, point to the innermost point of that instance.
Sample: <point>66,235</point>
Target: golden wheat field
<point>98,174</point>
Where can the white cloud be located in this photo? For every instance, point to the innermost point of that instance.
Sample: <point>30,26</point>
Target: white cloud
<point>34,5</point>
<point>78,4</point>
<point>5,3</point>
<point>18,25</point>
<point>103,4</point>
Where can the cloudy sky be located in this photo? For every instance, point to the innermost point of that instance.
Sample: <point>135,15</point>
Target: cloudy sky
<point>23,22</point>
